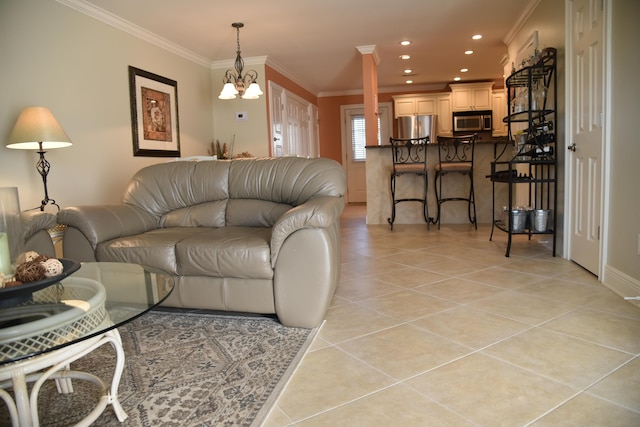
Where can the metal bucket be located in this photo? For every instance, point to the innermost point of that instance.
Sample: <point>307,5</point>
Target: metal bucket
<point>518,220</point>
<point>540,219</point>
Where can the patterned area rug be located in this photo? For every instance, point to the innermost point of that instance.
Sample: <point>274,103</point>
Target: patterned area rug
<point>186,370</point>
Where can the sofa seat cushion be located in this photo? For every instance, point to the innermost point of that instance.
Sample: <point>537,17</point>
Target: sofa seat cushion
<point>241,252</point>
<point>155,248</point>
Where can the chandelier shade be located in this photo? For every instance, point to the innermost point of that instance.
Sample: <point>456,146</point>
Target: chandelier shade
<point>235,82</point>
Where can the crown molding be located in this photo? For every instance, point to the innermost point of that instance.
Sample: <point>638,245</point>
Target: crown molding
<point>277,67</point>
<point>102,15</point>
<point>133,29</point>
<point>432,87</point>
<point>369,50</point>
<point>517,26</point>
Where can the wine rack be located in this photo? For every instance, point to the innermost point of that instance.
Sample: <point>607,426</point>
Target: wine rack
<point>531,166</point>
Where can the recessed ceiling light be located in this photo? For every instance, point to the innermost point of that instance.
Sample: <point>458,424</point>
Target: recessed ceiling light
<point>409,82</point>
<point>408,71</point>
<point>457,79</point>
<point>477,36</point>
<point>405,42</point>
<point>405,56</point>
<point>468,52</point>
<point>464,70</point>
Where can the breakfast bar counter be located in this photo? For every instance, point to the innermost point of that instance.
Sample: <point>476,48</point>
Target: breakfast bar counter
<point>378,170</point>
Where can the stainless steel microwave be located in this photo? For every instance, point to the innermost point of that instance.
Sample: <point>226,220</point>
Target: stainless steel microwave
<point>472,121</point>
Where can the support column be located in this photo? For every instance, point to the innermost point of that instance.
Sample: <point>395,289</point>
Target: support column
<point>370,87</point>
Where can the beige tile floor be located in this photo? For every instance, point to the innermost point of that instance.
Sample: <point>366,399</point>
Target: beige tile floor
<point>439,328</point>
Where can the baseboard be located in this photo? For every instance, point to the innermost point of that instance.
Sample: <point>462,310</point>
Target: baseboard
<point>622,284</point>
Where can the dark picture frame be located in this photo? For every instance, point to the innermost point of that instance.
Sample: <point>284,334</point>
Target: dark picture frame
<point>154,114</point>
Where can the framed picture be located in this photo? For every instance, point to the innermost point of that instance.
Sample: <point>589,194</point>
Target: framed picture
<point>154,114</point>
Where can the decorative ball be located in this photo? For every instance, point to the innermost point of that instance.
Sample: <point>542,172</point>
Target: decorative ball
<point>41,258</point>
<point>27,257</point>
<point>30,272</point>
<point>52,267</point>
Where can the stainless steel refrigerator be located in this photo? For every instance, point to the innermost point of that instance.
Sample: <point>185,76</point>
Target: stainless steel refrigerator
<point>417,127</point>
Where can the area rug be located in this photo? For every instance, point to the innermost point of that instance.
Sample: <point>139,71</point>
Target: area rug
<point>187,370</point>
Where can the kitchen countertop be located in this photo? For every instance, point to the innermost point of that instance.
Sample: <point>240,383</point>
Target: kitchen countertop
<point>378,167</point>
<point>495,140</point>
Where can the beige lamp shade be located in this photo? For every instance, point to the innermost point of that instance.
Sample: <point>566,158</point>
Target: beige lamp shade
<point>36,126</point>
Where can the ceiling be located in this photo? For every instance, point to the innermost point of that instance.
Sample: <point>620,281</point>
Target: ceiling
<point>314,42</point>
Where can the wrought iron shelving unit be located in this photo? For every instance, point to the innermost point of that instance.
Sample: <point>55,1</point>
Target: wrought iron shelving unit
<point>531,102</point>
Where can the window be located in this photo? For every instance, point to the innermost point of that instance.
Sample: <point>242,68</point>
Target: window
<point>358,137</point>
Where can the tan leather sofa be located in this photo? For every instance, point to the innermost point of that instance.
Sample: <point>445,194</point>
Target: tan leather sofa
<point>250,235</point>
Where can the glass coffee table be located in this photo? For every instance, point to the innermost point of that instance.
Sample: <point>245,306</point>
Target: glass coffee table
<point>40,338</point>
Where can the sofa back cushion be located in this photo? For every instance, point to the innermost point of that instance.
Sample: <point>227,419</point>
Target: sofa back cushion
<point>288,180</point>
<point>208,214</point>
<point>165,187</point>
<point>244,192</point>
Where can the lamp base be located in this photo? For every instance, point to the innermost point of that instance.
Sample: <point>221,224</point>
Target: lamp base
<point>43,168</point>
<point>46,202</point>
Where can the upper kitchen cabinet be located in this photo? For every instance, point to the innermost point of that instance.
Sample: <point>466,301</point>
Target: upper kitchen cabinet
<point>412,105</point>
<point>443,110</point>
<point>420,105</point>
<point>471,96</point>
<point>499,102</point>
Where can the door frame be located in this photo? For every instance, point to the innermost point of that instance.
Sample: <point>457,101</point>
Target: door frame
<point>387,106</point>
<point>606,142</point>
<point>279,99</point>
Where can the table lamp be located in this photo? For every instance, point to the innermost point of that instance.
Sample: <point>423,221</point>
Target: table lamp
<point>37,129</point>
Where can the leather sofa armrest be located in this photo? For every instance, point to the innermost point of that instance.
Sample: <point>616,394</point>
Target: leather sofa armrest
<point>35,221</point>
<point>105,222</point>
<point>320,212</point>
<point>35,230</point>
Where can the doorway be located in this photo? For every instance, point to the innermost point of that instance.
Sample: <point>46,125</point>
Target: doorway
<point>354,152</point>
<point>293,123</point>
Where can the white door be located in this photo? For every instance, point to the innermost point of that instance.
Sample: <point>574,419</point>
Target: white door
<point>354,151</point>
<point>295,137</point>
<point>356,156</point>
<point>276,107</point>
<point>294,124</point>
<point>314,131</point>
<point>585,133</point>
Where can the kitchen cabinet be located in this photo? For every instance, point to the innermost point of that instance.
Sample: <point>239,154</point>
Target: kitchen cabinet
<point>499,103</point>
<point>443,110</point>
<point>471,96</point>
<point>532,165</point>
<point>414,105</point>
<point>420,105</point>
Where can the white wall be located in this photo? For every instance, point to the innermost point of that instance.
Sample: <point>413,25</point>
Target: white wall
<point>251,134</point>
<point>548,19</point>
<point>54,56</point>
<point>624,214</point>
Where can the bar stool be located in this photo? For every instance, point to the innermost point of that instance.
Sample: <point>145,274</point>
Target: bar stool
<point>455,154</point>
<point>409,157</point>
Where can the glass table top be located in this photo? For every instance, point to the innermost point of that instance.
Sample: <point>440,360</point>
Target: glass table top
<point>98,297</point>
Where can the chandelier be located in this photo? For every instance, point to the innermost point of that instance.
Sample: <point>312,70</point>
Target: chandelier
<point>235,83</point>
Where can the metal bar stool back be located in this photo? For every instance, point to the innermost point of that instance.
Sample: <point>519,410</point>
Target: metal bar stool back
<point>456,155</point>
<point>409,157</point>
